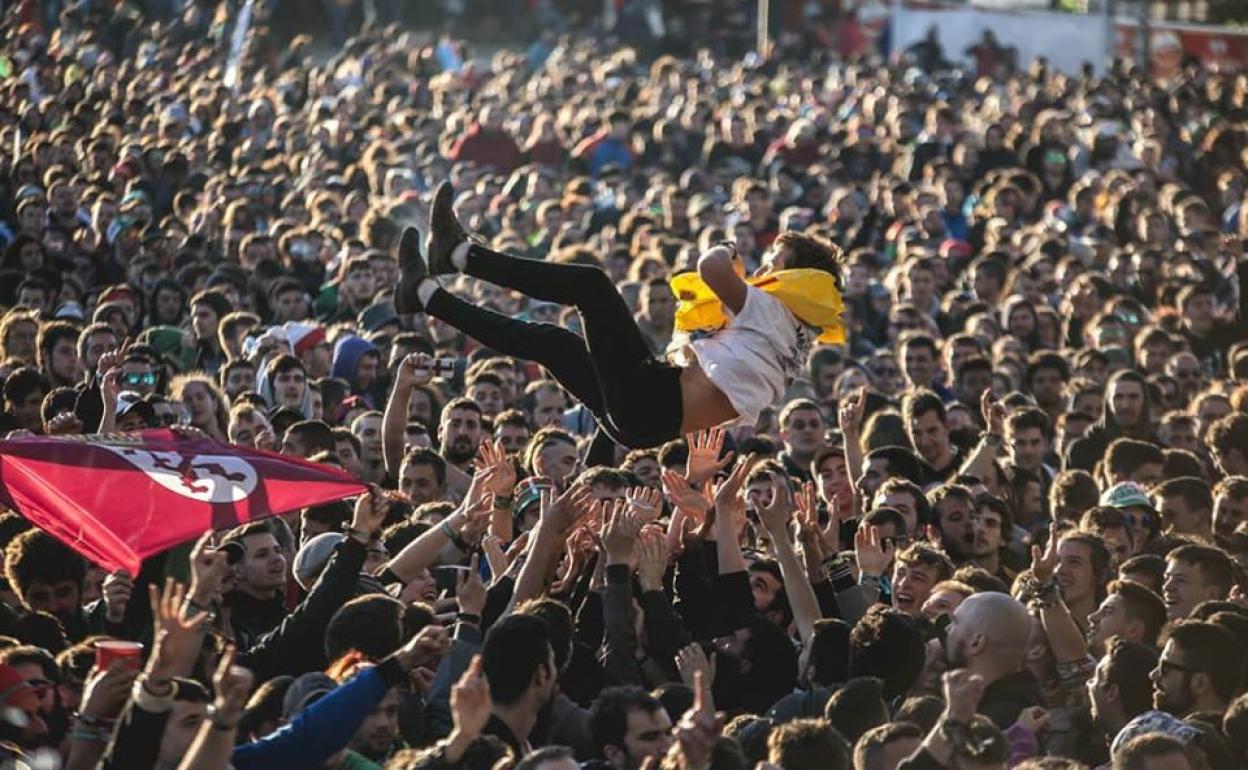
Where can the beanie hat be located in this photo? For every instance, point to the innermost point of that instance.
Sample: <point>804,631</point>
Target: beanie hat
<point>311,559</point>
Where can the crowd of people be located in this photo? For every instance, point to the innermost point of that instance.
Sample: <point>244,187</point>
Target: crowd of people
<point>1003,524</point>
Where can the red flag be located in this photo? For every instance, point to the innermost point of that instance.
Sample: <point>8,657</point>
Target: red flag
<point>117,499</point>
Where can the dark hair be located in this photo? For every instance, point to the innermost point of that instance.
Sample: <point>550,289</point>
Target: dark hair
<point>895,485</point>
<point>807,744</point>
<point>1141,603</point>
<point>1045,360</point>
<point>558,619</point>
<point>1133,755</point>
<point>334,513</point>
<point>608,715</point>
<point>1030,417</point>
<point>1218,648</point>
<point>264,707</point>
<point>426,456</point>
<point>1194,491</point>
<point>372,625</point>
<point>917,403</point>
<point>829,651</point>
<point>901,461</point>
<point>887,644</point>
<point>536,759</point>
<point>35,555</point>
<point>1128,665</point>
<point>871,744</point>
<point>515,649</point>
<point>23,381</point>
<point>772,669</point>
<point>1235,727</point>
<point>316,435</point>
<point>1215,566</point>
<point>811,251</point>
<point>16,656</point>
<point>857,707</point>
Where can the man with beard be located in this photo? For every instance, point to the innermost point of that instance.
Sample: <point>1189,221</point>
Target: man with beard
<point>629,726</point>
<point>519,665</point>
<point>1200,669</point>
<point>48,577</point>
<point>1120,689</point>
<point>1126,412</point>
<point>460,433</point>
<point>953,514</point>
<point>989,636</point>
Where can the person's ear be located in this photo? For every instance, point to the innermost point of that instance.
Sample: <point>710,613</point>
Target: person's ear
<point>614,756</point>
<point>977,644</point>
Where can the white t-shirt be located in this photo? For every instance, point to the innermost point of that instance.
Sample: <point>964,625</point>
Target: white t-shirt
<point>756,354</point>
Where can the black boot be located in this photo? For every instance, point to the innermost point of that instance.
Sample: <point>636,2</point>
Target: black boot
<point>412,271</point>
<point>445,232</point>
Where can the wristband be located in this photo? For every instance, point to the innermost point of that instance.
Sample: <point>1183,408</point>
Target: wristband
<point>994,439</point>
<point>453,536</point>
<point>90,734</point>
<point>93,722</point>
<point>352,532</point>
<point>501,503</point>
<point>220,721</point>
<point>200,609</point>
<point>469,618</point>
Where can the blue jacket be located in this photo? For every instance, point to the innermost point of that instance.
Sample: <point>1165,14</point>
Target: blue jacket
<point>347,354</point>
<point>323,728</point>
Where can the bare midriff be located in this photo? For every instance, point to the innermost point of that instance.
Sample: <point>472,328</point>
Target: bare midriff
<point>704,405</point>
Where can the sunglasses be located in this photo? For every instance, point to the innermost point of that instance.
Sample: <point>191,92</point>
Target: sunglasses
<point>136,378</point>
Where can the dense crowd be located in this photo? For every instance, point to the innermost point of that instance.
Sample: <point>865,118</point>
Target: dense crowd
<point>1004,525</point>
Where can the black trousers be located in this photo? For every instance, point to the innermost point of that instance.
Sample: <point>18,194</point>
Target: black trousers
<point>634,396</point>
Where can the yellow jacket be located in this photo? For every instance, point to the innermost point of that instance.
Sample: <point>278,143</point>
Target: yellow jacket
<point>809,294</point>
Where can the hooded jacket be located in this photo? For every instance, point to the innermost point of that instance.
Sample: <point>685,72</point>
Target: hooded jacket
<point>347,354</point>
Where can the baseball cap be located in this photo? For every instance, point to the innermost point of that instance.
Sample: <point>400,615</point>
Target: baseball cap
<point>1153,722</point>
<point>128,401</point>
<point>1126,494</point>
<point>529,492</point>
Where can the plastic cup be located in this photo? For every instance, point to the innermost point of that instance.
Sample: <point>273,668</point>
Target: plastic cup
<point>113,649</point>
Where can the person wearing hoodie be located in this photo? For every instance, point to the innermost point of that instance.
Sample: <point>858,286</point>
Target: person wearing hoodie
<point>357,361</point>
<point>283,382</point>
<point>1127,412</point>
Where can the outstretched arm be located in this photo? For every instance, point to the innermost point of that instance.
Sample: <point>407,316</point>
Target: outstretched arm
<point>415,369</point>
<point>716,269</point>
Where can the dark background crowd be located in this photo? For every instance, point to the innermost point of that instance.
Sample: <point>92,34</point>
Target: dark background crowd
<point>1005,525</point>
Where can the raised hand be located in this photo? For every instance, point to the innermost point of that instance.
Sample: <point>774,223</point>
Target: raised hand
<point>646,503</point>
<point>117,590</point>
<point>113,358</point>
<point>110,386</point>
<point>963,691</point>
<point>502,481</point>
<point>562,513</point>
<point>698,729</point>
<point>728,492</point>
<point>209,569</point>
<point>370,511</point>
<point>682,494</point>
<point>874,556</point>
<point>63,424</point>
<point>776,514</point>
<point>469,590</point>
<point>471,705</point>
<point>993,413</point>
<point>415,369</point>
<point>178,639</point>
<point>427,646</point>
<point>691,661</point>
<point>850,413</point>
<point>477,519</point>
<point>479,486</point>
<point>1033,719</point>
<point>704,461</point>
<point>492,547</point>
<point>1044,562</point>
<point>652,561</point>
<point>106,691</point>
<point>232,685</point>
<point>619,535</point>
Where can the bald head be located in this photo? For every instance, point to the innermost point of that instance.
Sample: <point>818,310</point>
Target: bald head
<point>989,635</point>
